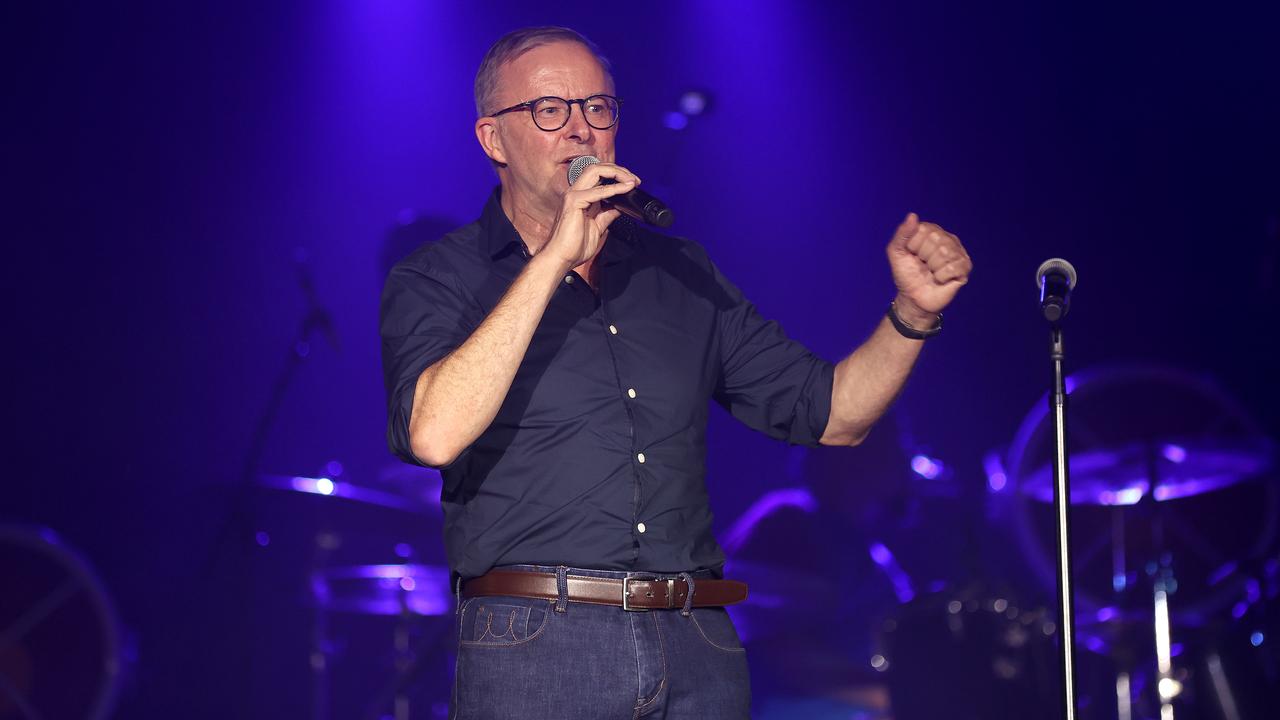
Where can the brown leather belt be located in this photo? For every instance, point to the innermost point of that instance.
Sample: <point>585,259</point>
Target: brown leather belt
<point>633,593</point>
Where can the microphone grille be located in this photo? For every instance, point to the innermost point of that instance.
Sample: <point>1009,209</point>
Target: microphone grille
<point>1056,265</point>
<point>579,164</point>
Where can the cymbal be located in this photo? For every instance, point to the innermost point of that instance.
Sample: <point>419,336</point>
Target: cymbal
<point>389,589</point>
<point>1167,470</point>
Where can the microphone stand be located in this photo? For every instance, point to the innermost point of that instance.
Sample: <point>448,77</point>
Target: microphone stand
<point>1062,507</point>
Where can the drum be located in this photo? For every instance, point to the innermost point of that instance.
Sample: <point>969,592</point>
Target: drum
<point>60,652</point>
<point>969,655</point>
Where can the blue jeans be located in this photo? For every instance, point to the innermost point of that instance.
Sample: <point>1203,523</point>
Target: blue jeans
<point>520,658</point>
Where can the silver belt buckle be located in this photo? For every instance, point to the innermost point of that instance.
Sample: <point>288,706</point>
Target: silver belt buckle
<point>626,591</point>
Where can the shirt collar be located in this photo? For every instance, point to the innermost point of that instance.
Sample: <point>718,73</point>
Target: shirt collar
<point>500,236</point>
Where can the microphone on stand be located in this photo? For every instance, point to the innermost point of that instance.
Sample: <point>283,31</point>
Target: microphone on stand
<point>1055,278</point>
<point>635,203</point>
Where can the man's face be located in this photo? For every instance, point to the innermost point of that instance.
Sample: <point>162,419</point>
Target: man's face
<point>537,161</point>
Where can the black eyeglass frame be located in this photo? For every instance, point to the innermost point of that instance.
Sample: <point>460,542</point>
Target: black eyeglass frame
<point>581,102</point>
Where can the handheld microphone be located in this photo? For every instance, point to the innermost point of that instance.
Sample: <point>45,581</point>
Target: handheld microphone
<point>1055,278</point>
<point>635,203</point>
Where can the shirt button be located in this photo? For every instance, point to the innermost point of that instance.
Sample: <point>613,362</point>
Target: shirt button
<point>631,393</point>
<point>568,279</point>
<point>640,527</point>
<point>613,329</point>
<point>640,458</point>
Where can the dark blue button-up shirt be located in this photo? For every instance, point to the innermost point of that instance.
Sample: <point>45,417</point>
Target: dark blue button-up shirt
<point>597,456</point>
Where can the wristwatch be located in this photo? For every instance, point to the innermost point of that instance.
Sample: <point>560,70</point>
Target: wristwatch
<point>906,330</point>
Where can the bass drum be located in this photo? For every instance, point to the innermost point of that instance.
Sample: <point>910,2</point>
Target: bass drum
<point>976,654</point>
<point>1237,673</point>
<point>59,636</point>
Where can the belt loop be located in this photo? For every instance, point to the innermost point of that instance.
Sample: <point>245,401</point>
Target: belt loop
<point>562,588</point>
<point>688,598</point>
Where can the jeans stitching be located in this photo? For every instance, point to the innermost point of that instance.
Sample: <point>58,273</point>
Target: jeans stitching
<point>708,640</point>
<point>635,643</point>
<point>546,620</point>
<point>454,710</point>
<point>662,651</point>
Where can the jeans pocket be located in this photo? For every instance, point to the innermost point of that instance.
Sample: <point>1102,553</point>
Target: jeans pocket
<point>499,621</point>
<point>716,628</point>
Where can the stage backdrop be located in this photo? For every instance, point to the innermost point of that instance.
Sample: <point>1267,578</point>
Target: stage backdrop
<point>208,199</point>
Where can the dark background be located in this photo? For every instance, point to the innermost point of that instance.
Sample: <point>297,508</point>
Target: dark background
<point>177,169</point>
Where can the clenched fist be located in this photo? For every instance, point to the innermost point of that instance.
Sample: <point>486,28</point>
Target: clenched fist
<point>929,266</point>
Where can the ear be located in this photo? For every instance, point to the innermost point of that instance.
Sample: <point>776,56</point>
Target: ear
<point>490,139</point>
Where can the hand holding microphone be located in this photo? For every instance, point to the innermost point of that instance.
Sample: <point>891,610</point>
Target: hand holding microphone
<point>579,229</point>
<point>634,203</point>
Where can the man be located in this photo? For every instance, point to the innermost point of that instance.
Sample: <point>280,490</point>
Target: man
<point>556,362</point>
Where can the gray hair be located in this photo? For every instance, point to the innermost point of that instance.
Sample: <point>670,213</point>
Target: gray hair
<point>516,43</point>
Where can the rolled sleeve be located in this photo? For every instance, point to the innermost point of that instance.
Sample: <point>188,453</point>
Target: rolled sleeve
<point>424,316</point>
<point>768,381</point>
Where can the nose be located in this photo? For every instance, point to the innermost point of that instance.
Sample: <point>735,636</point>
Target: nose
<point>578,128</point>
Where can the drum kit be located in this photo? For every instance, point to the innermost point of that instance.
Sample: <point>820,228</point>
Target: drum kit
<point>1175,512</point>
<point>380,601</point>
<point>1175,506</point>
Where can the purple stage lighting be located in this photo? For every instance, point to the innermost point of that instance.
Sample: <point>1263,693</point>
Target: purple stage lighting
<point>319,486</point>
<point>1127,496</point>
<point>1256,639</point>
<point>675,120</point>
<point>1222,573</point>
<point>1252,591</point>
<point>926,467</point>
<point>997,480</point>
<point>1239,609</point>
<point>693,102</point>
<point>1175,453</point>
<point>762,508</point>
<point>883,557</point>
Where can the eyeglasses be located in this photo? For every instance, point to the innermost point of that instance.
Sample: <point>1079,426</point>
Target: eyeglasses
<point>552,113</point>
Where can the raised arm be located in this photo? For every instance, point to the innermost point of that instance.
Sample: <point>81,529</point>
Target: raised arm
<point>456,398</point>
<point>929,267</point>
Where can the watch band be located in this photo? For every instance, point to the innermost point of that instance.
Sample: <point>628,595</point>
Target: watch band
<point>906,330</point>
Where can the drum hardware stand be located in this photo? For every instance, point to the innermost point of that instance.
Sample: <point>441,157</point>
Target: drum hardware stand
<point>409,663</point>
<point>324,544</point>
<point>1120,583</point>
<point>1167,687</point>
